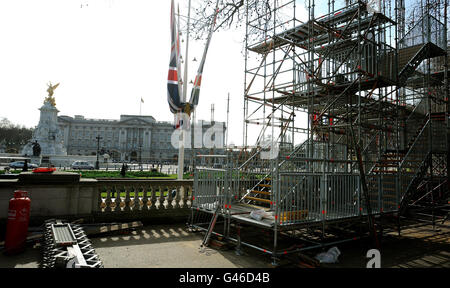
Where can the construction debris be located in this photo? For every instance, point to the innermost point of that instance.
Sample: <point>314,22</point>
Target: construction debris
<point>89,229</point>
<point>67,246</point>
<point>218,244</point>
<point>305,259</point>
<point>260,214</point>
<point>331,256</point>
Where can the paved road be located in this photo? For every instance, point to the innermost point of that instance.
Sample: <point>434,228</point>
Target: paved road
<point>167,169</point>
<point>167,247</point>
<point>170,246</point>
<point>161,246</point>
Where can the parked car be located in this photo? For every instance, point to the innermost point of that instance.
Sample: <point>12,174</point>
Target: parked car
<point>82,165</point>
<point>19,165</point>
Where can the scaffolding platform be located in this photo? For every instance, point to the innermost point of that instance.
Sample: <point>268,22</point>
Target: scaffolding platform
<point>357,106</point>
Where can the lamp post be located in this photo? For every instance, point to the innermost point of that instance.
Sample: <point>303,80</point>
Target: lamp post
<point>140,157</point>
<point>97,166</point>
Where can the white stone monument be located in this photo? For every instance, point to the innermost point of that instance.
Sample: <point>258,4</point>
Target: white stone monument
<point>47,133</point>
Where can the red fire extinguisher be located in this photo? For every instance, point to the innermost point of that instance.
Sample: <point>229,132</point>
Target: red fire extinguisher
<point>18,219</point>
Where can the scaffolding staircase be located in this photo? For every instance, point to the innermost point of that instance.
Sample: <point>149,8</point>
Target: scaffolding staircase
<point>405,166</point>
<point>261,193</point>
<point>423,41</point>
<point>404,169</point>
<point>409,167</point>
<point>422,184</point>
<point>362,99</point>
<point>415,54</point>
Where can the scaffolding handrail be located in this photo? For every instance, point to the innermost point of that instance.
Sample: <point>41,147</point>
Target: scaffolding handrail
<point>425,33</point>
<point>422,131</point>
<point>257,151</point>
<point>415,176</point>
<point>276,169</point>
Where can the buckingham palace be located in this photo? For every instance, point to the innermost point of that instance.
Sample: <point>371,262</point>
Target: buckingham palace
<point>131,138</point>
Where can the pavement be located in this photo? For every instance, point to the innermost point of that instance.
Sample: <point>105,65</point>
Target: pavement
<point>417,247</point>
<point>168,246</point>
<point>161,246</point>
<point>172,246</point>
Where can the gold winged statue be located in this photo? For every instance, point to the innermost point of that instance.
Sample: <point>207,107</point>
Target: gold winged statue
<point>50,89</point>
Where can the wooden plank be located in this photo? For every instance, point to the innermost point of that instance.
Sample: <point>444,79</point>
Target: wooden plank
<point>309,260</point>
<point>294,215</point>
<point>258,199</point>
<point>265,185</point>
<point>261,192</point>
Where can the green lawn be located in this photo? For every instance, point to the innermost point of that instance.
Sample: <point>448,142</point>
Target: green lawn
<point>130,175</point>
<point>11,171</point>
<point>140,194</point>
<point>116,174</point>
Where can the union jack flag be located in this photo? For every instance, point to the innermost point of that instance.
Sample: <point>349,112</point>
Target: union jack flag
<point>174,86</point>
<point>195,94</point>
<point>174,90</point>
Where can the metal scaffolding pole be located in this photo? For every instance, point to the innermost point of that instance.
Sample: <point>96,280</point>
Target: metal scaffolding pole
<point>352,83</point>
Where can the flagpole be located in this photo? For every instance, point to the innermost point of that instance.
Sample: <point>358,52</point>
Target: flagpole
<point>187,54</point>
<point>186,60</point>
<point>192,140</point>
<point>228,113</point>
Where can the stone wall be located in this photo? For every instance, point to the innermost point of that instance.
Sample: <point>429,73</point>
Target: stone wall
<point>67,196</point>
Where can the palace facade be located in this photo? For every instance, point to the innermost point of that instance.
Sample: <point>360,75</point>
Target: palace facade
<point>130,138</point>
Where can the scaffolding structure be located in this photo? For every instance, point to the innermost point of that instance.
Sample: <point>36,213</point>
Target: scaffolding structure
<point>356,107</point>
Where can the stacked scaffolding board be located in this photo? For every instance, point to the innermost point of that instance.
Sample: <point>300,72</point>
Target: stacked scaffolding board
<point>357,107</point>
<point>66,245</point>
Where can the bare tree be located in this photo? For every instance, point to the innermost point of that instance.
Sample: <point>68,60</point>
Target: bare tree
<point>235,12</point>
<point>13,137</point>
<point>418,8</point>
<point>231,13</point>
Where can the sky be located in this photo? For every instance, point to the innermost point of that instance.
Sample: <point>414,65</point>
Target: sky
<point>106,55</point>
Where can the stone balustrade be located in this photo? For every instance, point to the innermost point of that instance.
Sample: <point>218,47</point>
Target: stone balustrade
<point>143,198</point>
<point>67,196</point>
